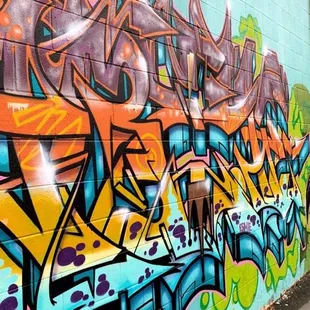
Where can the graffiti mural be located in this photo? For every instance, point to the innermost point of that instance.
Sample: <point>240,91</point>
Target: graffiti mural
<point>144,162</point>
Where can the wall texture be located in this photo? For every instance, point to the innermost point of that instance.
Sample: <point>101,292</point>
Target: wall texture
<point>154,154</point>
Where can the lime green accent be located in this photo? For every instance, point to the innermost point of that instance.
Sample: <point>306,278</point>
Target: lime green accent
<point>248,28</point>
<point>163,76</point>
<point>268,279</point>
<point>241,281</point>
<point>300,108</point>
<point>204,301</point>
<point>235,295</point>
<point>298,125</point>
<point>291,262</point>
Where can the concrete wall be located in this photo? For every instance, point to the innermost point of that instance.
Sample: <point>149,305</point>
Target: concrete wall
<point>154,154</point>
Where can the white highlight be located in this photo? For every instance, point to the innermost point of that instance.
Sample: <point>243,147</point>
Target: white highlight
<point>195,108</point>
<point>266,51</point>
<point>123,211</point>
<point>222,57</point>
<point>75,29</point>
<point>47,172</point>
<point>228,4</point>
<point>142,63</point>
<point>195,102</point>
<point>207,183</point>
<point>162,186</point>
<point>17,106</point>
<point>240,104</point>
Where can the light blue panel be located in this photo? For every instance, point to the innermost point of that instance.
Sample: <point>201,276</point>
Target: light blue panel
<point>140,301</point>
<point>283,35</point>
<point>125,85</point>
<point>161,48</point>
<point>217,136</point>
<point>238,8</point>
<point>12,247</point>
<point>121,203</point>
<point>46,32</point>
<point>4,155</point>
<point>19,192</point>
<point>182,7</point>
<point>147,111</point>
<point>175,139</point>
<point>214,14</point>
<point>89,186</point>
<point>179,139</point>
<point>263,7</point>
<point>183,187</point>
<point>150,192</point>
<point>275,12</point>
<point>99,158</point>
<point>165,296</point>
<point>128,185</point>
<point>35,85</point>
<point>119,4</point>
<point>186,145</point>
<point>200,143</point>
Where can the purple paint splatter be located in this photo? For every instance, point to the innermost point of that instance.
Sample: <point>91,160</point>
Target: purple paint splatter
<point>66,256</point>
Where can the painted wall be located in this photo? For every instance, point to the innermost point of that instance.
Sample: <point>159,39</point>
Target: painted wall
<point>154,154</point>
